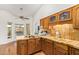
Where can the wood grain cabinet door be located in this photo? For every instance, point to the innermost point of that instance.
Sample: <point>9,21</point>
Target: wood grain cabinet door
<point>5,49</point>
<point>22,47</point>
<point>38,44</point>
<point>46,23</point>
<point>43,44</point>
<point>76,16</point>
<point>12,49</point>
<point>48,47</point>
<point>73,51</point>
<point>65,15</point>
<point>60,49</point>
<point>31,46</point>
<point>42,22</point>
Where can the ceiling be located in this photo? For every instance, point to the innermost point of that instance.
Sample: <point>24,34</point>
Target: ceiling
<point>25,10</point>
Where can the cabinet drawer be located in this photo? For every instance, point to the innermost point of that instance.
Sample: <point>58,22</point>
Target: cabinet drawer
<point>60,50</point>
<point>60,53</point>
<point>63,46</point>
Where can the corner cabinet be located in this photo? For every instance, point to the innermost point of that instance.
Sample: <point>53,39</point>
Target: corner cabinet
<point>65,15</point>
<point>76,16</point>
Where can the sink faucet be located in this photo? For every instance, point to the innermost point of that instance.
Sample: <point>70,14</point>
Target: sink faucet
<point>58,34</point>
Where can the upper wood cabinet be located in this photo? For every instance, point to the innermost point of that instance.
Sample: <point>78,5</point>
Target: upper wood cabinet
<point>42,22</point>
<point>76,16</point>
<point>65,15</point>
<point>46,23</point>
<point>53,18</point>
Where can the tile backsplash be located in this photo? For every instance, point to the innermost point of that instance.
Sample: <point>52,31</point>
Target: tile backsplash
<point>66,30</point>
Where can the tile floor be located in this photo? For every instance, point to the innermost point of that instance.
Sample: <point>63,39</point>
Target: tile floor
<point>39,53</point>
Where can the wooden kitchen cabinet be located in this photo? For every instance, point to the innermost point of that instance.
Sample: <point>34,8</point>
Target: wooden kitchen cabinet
<point>38,45</point>
<point>65,15</point>
<point>8,49</point>
<point>4,50</point>
<point>42,44</point>
<point>12,49</point>
<point>46,23</point>
<point>42,22</point>
<point>31,45</point>
<point>54,18</point>
<point>22,47</point>
<point>73,51</point>
<point>76,16</point>
<point>49,47</point>
<point>60,49</point>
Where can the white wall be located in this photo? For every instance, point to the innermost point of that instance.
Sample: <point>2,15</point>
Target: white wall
<point>47,10</point>
<point>6,17</point>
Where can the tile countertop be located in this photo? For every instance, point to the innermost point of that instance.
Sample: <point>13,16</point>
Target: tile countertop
<point>69,42</point>
<point>22,38</point>
<point>17,38</point>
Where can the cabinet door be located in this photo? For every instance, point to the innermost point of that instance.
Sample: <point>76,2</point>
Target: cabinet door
<point>73,51</point>
<point>54,18</point>
<point>61,48</point>
<point>4,50</point>
<point>31,46</point>
<point>22,47</point>
<point>76,16</point>
<point>65,15</point>
<point>42,22</point>
<point>46,23</point>
<point>76,51</point>
<point>38,44</point>
<point>43,44</point>
<point>48,47</point>
<point>13,49</point>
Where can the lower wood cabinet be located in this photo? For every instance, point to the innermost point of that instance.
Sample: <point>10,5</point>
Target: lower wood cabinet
<point>43,44</point>
<point>28,47</point>
<point>4,50</point>
<point>47,46</point>
<point>22,47</point>
<point>60,49</point>
<point>12,49</point>
<point>8,49</point>
<point>31,45</point>
<point>73,51</point>
<point>38,45</point>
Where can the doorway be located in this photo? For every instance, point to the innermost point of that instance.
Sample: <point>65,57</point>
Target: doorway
<point>27,29</point>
